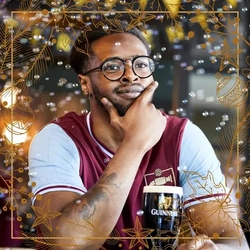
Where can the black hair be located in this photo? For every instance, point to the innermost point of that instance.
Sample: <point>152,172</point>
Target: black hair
<point>82,52</point>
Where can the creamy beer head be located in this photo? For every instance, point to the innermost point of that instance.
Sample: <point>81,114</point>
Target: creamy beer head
<point>163,189</point>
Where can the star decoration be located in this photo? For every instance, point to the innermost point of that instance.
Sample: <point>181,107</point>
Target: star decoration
<point>111,24</point>
<point>138,232</point>
<point>246,71</point>
<point>44,215</point>
<point>139,20</point>
<point>227,55</point>
<point>10,151</point>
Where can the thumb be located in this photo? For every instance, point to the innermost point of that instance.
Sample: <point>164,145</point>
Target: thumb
<point>147,94</point>
<point>110,108</point>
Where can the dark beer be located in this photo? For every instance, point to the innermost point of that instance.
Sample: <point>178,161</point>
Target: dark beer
<point>162,206</point>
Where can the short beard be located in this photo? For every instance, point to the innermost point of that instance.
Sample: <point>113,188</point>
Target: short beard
<point>121,109</point>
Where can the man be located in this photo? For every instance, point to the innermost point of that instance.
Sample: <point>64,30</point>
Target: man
<point>92,168</point>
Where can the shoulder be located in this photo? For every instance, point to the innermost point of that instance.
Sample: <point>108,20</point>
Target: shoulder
<point>49,134</point>
<point>70,117</point>
<point>72,123</point>
<point>193,134</point>
<point>196,149</point>
<point>175,127</point>
<point>184,127</point>
<point>50,130</point>
<point>176,122</point>
<point>53,145</point>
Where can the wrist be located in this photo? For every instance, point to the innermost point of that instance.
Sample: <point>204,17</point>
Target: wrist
<point>134,147</point>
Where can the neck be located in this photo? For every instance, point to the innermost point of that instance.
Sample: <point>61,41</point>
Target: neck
<point>103,131</point>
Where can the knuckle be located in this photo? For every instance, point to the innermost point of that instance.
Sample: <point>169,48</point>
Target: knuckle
<point>109,107</point>
<point>150,89</point>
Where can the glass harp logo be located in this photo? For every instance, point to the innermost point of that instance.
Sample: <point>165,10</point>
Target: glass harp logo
<point>164,202</point>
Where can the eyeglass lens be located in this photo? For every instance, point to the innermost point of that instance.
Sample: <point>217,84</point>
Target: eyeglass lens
<point>142,66</point>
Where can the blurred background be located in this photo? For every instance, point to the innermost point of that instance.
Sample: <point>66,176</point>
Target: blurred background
<point>202,49</point>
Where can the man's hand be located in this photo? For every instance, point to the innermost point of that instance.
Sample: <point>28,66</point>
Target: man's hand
<point>143,124</point>
<point>199,243</point>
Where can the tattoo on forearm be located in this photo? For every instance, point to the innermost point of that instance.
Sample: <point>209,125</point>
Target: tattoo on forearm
<point>88,209</point>
<point>97,193</point>
<point>110,179</point>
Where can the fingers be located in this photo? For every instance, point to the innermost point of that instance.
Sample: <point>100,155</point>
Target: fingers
<point>147,94</point>
<point>110,108</point>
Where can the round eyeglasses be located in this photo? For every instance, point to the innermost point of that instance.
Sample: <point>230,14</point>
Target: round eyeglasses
<point>114,68</point>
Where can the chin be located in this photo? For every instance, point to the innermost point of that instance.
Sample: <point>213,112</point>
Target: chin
<point>122,109</point>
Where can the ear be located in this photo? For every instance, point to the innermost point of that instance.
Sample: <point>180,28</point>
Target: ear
<point>85,84</point>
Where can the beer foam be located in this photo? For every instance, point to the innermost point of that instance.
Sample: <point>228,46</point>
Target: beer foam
<point>163,189</point>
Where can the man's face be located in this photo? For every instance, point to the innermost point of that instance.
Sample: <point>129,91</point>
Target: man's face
<point>123,92</point>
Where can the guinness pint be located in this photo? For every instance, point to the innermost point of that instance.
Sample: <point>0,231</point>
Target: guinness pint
<point>162,207</point>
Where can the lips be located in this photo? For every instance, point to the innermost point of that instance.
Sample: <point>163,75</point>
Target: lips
<point>130,95</point>
<point>130,92</point>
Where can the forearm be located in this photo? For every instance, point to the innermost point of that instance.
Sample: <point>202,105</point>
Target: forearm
<point>98,210</point>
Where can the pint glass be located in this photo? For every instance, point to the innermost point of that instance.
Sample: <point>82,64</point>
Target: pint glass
<point>162,207</point>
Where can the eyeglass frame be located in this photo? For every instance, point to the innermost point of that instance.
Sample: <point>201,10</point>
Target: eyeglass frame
<point>123,61</point>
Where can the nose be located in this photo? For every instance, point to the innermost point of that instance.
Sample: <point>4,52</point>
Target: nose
<point>129,75</point>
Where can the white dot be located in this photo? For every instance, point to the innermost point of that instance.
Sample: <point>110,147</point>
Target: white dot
<point>140,212</point>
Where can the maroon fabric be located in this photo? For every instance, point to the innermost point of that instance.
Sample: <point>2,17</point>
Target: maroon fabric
<point>6,219</point>
<point>5,230</point>
<point>159,165</point>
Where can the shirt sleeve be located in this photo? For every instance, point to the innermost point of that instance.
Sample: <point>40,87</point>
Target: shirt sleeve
<point>54,162</point>
<point>200,172</point>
